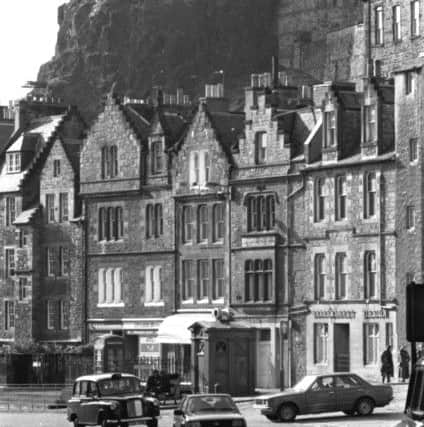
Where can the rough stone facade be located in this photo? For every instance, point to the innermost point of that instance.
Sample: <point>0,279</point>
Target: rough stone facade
<point>48,132</point>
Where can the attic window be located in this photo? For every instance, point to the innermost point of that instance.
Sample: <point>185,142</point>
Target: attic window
<point>157,157</point>
<point>260,148</point>
<point>13,162</point>
<point>330,128</point>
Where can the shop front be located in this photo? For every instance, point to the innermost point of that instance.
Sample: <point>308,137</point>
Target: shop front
<point>349,337</point>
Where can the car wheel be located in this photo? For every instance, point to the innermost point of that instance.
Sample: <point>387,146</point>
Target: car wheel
<point>287,412</point>
<point>365,406</point>
<point>77,424</point>
<point>152,423</point>
<point>351,412</point>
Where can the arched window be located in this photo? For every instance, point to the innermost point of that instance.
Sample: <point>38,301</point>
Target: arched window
<point>157,284</point>
<point>113,161</point>
<point>109,161</point>
<point>370,274</point>
<point>117,290</point>
<point>149,280</point>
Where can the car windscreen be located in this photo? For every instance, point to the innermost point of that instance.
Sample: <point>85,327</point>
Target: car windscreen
<point>211,404</point>
<point>122,385</point>
<point>304,383</point>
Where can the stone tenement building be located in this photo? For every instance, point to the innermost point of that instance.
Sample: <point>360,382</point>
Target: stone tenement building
<point>40,300</point>
<point>283,212</point>
<point>292,213</point>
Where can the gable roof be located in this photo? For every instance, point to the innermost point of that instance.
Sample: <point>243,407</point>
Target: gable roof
<point>6,131</point>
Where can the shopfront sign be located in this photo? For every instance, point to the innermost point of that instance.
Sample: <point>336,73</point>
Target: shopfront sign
<point>334,314</point>
<point>376,314</point>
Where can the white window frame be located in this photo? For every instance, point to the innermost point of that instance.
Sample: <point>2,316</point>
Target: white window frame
<point>415,18</point>
<point>396,24</point>
<point>204,281</point>
<point>370,275</point>
<point>261,147</point>
<point>410,217</point>
<point>319,276</point>
<point>330,135</point>
<point>341,197</point>
<point>62,315</point>
<point>63,207</point>
<point>341,275</point>
<point>371,342</point>
<point>370,195</point>
<point>413,150</point>
<point>188,281</point>
<point>10,210</point>
<point>50,207</point>
<point>218,281</point>
<point>370,116</point>
<point>320,343</point>
<point>153,286</point>
<point>379,25</point>
<point>110,287</point>
<point>13,162</point>
<point>50,315</point>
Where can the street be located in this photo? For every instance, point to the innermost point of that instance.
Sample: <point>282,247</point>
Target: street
<point>390,416</point>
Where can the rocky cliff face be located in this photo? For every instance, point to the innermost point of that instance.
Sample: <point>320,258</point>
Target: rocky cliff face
<point>173,43</point>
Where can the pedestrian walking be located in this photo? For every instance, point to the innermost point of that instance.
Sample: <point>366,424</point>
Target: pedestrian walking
<point>387,364</point>
<point>404,364</point>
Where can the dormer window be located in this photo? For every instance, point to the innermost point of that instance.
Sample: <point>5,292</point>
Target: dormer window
<point>330,129</point>
<point>13,162</point>
<point>157,157</point>
<point>260,148</point>
<point>370,116</point>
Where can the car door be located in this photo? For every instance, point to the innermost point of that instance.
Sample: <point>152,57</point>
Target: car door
<point>321,396</point>
<point>179,419</point>
<point>348,390</point>
<point>86,407</point>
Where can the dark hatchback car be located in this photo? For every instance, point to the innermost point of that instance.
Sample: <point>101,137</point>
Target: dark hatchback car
<point>111,400</point>
<point>325,393</point>
<point>208,410</point>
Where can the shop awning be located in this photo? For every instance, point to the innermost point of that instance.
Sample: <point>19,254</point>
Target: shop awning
<point>174,328</point>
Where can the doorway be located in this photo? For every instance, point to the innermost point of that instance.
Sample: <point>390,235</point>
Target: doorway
<point>341,347</point>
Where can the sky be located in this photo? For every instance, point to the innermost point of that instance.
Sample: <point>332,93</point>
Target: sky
<point>28,32</point>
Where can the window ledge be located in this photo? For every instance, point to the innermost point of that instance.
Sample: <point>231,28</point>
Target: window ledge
<point>111,304</point>
<point>154,304</point>
<point>188,301</point>
<point>218,301</point>
<point>110,241</point>
<point>202,301</point>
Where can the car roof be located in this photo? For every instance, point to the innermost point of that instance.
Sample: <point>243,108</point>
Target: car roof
<point>105,376</point>
<point>189,396</point>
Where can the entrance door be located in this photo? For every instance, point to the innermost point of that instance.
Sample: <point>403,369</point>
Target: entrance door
<point>341,347</point>
<point>264,368</point>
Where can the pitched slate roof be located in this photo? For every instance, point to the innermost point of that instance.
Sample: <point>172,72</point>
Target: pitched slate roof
<point>228,127</point>
<point>40,132</point>
<point>6,131</point>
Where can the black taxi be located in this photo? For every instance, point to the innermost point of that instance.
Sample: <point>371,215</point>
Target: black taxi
<point>111,399</point>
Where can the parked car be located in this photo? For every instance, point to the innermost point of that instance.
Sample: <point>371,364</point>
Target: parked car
<point>325,393</point>
<point>112,399</point>
<point>199,410</point>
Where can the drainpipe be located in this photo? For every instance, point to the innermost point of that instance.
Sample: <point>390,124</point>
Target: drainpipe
<point>85,267</point>
<point>229,200</point>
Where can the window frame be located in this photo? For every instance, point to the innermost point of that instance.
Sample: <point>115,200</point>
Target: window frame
<point>188,224</point>
<point>319,276</point>
<point>261,147</point>
<point>218,277</point>
<point>10,210</point>
<point>330,135</point>
<point>370,195</point>
<point>396,24</point>
<point>413,150</point>
<point>341,276</point>
<point>203,223</point>
<point>341,197</point>
<point>370,118</point>
<point>188,280</point>
<point>203,266</point>
<point>258,280</point>
<point>9,314</point>
<point>379,25</point>
<point>218,212</point>
<point>370,275</point>
<point>157,165</point>
<point>56,168</point>
<point>319,199</point>
<point>320,343</point>
<point>410,217</point>
<point>22,288</point>
<point>63,207</point>
<point>371,343</point>
<point>9,261</point>
<point>50,315</point>
<point>409,77</point>
<point>13,162</point>
<point>50,208</point>
<point>415,18</point>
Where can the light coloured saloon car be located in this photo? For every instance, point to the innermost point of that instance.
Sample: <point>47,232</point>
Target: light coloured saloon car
<point>325,393</point>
